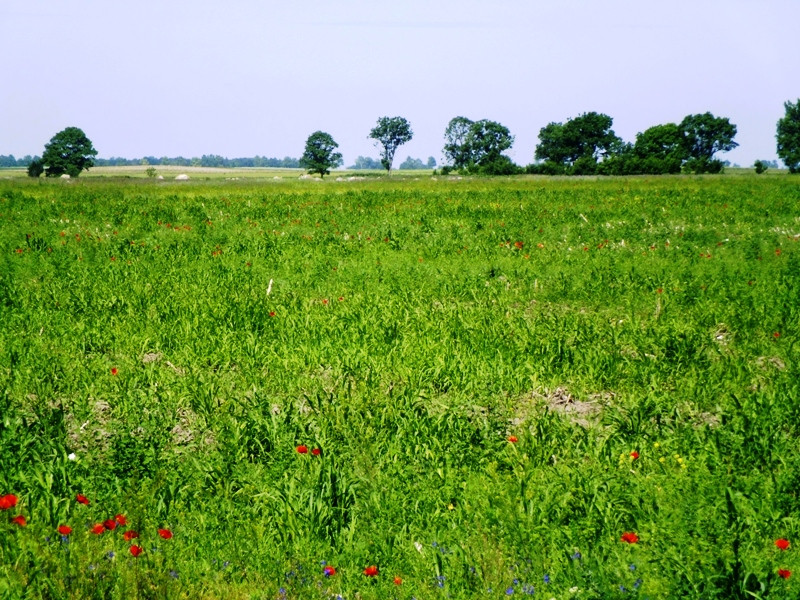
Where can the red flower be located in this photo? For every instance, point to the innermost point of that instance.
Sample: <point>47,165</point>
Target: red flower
<point>129,535</point>
<point>315,451</point>
<point>329,571</point>
<point>371,571</point>
<point>518,245</point>
<point>165,533</point>
<point>121,520</point>
<point>302,449</point>
<point>272,313</point>
<point>634,455</point>
<point>20,520</point>
<point>341,298</point>
<point>784,573</point>
<point>325,301</point>
<point>81,499</point>
<point>98,529</point>
<point>398,581</point>
<point>136,550</point>
<point>776,335</point>
<point>114,370</point>
<point>513,439</point>
<point>64,529</point>
<point>629,537</point>
<point>8,501</point>
<point>110,524</point>
<point>782,544</point>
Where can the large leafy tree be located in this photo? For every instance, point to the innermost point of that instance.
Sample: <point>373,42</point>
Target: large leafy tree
<point>660,149</point>
<point>703,136</point>
<point>390,133</point>
<point>578,143</point>
<point>788,137</point>
<point>320,156</point>
<point>478,145</point>
<point>68,152</point>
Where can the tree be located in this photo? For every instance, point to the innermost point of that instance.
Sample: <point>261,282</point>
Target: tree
<point>703,136</point>
<point>788,136</point>
<point>319,156</point>
<point>391,132</point>
<point>478,146</point>
<point>578,143</point>
<point>431,164</point>
<point>36,168</point>
<point>69,151</point>
<point>660,149</point>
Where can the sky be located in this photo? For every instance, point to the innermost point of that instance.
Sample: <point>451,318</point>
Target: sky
<point>241,78</point>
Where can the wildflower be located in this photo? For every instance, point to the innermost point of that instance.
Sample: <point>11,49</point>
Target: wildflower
<point>98,529</point>
<point>302,449</point>
<point>129,535</point>
<point>64,530</point>
<point>325,301</point>
<point>509,591</point>
<point>371,571</point>
<point>547,578</point>
<point>272,313</point>
<point>315,452</point>
<point>629,537</point>
<point>136,550</point>
<point>341,298</point>
<point>121,520</point>
<point>110,555</point>
<point>634,455</point>
<point>114,370</point>
<point>8,501</point>
<point>513,439</point>
<point>782,544</point>
<point>110,524</point>
<point>397,581</point>
<point>776,335</point>
<point>173,573</point>
<point>81,499</point>
<point>20,520</point>
<point>329,571</point>
<point>165,533</point>
<point>577,556</point>
<point>71,456</point>
<point>518,245</point>
<point>784,573</point>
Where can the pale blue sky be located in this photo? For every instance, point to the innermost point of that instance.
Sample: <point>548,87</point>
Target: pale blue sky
<point>246,77</point>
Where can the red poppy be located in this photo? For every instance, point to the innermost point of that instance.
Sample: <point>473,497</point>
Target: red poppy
<point>20,520</point>
<point>272,313</point>
<point>398,581</point>
<point>776,335</point>
<point>324,300</point>
<point>129,535</point>
<point>371,571</point>
<point>165,533</point>
<point>629,537</point>
<point>98,529</point>
<point>8,501</point>
<point>341,298</point>
<point>315,451</point>
<point>136,550</point>
<point>64,529</point>
<point>329,571</point>
<point>782,544</point>
<point>784,573</point>
<point>114,370</point>
<point>634,455</point>
<point>513,439</point>
<point>302,449</point>
<point>121,520</point>
<point>81,499</point>
<point>110,524</point>
<point>518,245</point>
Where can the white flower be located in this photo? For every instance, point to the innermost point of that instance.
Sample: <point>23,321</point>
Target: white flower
<point>72,456</point>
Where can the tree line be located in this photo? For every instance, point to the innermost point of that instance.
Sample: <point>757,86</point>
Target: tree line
<point>583,145</point>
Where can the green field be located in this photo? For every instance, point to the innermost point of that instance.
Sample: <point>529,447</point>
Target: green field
<point>532,387</point>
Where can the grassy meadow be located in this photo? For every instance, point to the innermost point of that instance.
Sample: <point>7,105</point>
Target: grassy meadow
<point>396,389</point>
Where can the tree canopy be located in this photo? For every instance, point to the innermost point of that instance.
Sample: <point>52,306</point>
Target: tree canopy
<point>478,146</point>
<point>578,143</point>
<point>788,136</point>
<point>390,133</point>
<point>320,156</point>
<point>703,136</point>
<point>68,152</point>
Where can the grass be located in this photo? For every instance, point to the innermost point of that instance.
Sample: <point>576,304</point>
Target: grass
<point>503,377</point>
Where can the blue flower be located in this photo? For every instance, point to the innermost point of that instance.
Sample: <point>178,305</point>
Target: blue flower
<point>632,567</point>
<point>110,554</point>
<point>173,573</point>
<point>637,583</point>
<point>547,578</point>
<point>509,591</point>
<point>577,556</point>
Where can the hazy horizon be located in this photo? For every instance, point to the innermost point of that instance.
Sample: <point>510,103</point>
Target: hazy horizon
<point>257,78</point>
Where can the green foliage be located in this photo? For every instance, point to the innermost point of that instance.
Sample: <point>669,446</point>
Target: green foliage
<point>366,163</point>
<point>704,135</point>
<point>319,155</point>
<point>477,146</point>
<point>36,168</point>
<point>68,152</point>
<point>476,361</point>
<point>390,133</point>
<point>760,166</point>
<point>585,138</point>
<point>788,136</point>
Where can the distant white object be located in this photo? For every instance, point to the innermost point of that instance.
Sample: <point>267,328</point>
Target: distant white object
<point>276,177</point>
<point>182,177</point>
<point>305,176</point>
<point>160,178</point>
<point>65,176</point>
